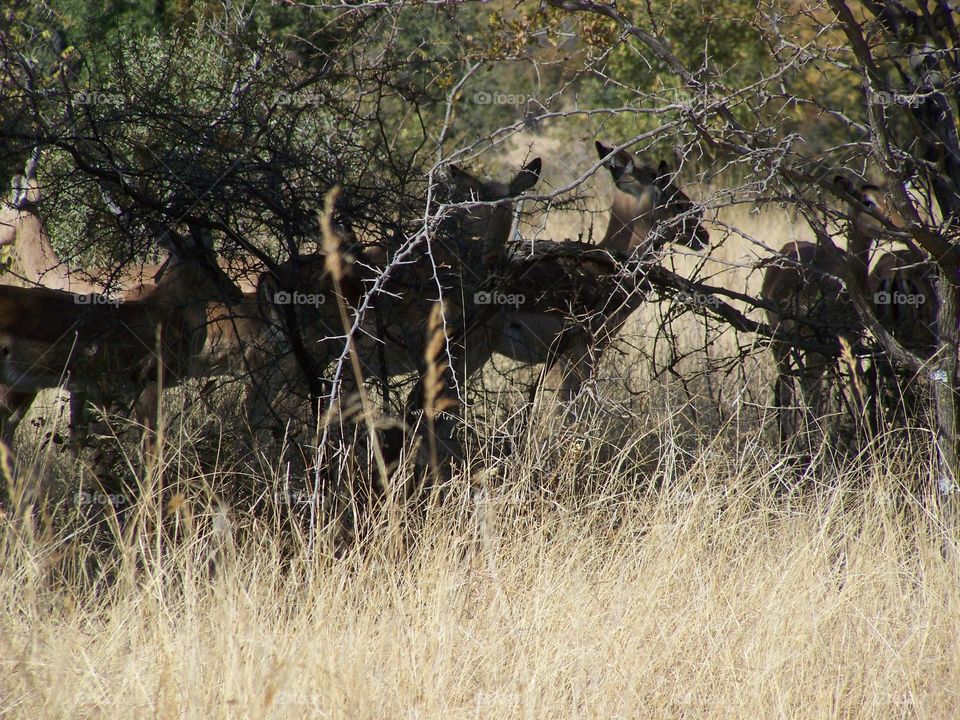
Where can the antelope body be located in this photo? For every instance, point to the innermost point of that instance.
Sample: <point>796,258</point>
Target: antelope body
<point>110,352</point>
<point>568,327</point>
<point>805,284</point>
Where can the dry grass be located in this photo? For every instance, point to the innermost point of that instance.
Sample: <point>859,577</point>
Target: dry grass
<point>630,563</point>
<point>545,596</point>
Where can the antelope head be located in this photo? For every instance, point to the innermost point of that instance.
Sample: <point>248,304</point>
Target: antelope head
<point>197,269</point>
<point>869,207</point>
<point>490,223</point>
<point>660,212</point>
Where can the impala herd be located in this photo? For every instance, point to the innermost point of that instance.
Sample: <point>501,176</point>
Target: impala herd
<point>189,319</point>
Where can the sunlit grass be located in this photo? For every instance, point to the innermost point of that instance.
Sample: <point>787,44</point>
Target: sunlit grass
<point>630,560</point>
<point>577,584</point>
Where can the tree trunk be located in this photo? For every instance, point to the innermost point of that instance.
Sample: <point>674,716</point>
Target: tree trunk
<point>947,396</point>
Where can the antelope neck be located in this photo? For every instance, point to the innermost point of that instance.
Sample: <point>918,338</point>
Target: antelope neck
<point>858,252</point>
<point>628,218</point>
<point>36,256</point>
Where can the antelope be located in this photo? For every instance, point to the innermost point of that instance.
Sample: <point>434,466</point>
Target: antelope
<point>35,263</point>
<point>38,264</point>
<point>232,328</point>
<point>648,212</point>
<point>113,351</point>
<point>903,287</point>
<point>806,283</point>
<point>390,340</point>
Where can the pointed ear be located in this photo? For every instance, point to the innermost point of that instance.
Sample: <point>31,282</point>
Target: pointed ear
<point>842,184</point>
<point>526,178</point>
<point>603,150</point>
<point>201,236</point>
<point>462,180</point>
<point>169,241</point>
<point>16,190</point>
<point>459,175</point>
<point>25,191</point>
<point>664,175</point>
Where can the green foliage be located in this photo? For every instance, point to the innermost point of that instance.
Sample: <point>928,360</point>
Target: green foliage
<point>717,40</point>
<point>94,24</point>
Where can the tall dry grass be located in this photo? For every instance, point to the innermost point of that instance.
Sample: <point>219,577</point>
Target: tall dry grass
<point>631,560</point>
<point>561,582</point>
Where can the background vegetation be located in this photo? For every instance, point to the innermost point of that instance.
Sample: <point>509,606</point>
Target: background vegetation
<point>653,552</point>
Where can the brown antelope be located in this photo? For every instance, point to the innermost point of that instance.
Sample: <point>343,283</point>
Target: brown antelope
<point>648,212</point>
<point>110,351</point>
<point>232,328</point>
<point>390,338</point>
<point>36,263</point>
<point>903,287</point>
<point>33,263</point>
<point>806,284</point>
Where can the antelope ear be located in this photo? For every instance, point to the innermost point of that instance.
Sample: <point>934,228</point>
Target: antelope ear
<point>603,150</point>
<point>842,184</point>
<point>526,178</point>
<point>202,237</point>
<point>170,241</point>
<point>24,191</point>
<point>16,188</point>
<point>462,180</point>
<point>458,174</point>
<point>664,175</point>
